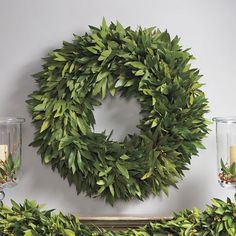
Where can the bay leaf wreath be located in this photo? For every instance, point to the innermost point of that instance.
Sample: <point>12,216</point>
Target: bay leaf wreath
<point>145,64</point>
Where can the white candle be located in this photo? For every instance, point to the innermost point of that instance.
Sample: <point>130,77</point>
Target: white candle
<point>232,155</point>
<point>3,152</point>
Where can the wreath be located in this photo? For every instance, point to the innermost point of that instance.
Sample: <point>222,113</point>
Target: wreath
<point>145,64</point>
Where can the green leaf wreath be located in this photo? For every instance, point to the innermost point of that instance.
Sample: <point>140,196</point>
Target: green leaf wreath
<point>145,64</point>
<point>29,219</point>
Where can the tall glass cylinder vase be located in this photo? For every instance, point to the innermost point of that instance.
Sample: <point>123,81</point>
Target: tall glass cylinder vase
<point>10,151</point>
<point>226,150</point>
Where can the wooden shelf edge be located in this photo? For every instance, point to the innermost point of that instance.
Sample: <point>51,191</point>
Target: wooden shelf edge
<point>120,223</point>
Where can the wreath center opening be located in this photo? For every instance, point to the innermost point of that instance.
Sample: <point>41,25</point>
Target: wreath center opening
<point>117,114</point>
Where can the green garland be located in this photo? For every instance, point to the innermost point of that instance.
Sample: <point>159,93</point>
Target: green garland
<point>145,64</point>
<point>29,220</point>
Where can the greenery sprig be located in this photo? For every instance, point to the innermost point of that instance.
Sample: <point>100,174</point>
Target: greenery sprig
<point>9,169</point>
<point>145,64</point>
<point>28,219</point>
<point>228,172</point>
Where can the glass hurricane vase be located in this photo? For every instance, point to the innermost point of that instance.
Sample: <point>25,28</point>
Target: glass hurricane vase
<point>10,151</point>
<point>226,150</point>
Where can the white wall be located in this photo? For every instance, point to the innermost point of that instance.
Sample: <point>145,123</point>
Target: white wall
<point>29,29</point>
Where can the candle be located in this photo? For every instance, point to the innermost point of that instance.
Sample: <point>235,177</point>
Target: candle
<point>232,155</point>
<point>3,152</point>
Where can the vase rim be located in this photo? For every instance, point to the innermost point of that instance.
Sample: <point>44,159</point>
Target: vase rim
<point>225,119</point>
<point>15,120</point>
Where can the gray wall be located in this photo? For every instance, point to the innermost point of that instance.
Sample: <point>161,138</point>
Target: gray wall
<point>29,29</point>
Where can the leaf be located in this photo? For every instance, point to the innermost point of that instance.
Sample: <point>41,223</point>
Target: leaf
<point>82,125</point>
<point>154,123</point>
<point>59,57</point>
<point>146,176</point>
<point>100,182</point>
<point>120,29</point>
<point>112,92</point>
<point>44,126</point>
<point>65,68</point>
<point>123,170</point>
<point>129,83</point>
<point>102,75</point>
<point>71,162</point>
<point>105,54</point>
<point>79,161</point>
<point>104,24</point>
<point>30,232</point>
<point>139,72</point>
<point>72,66</point>
<point>39,107</point>
<point>104,88</point>
<point>15,206</point>
<point>124,157</point>
<point>69,232</point>
<point>101,189</point>
<point>220,210</point>
<point>97,88</point>
<point>135,64</point>
<point>111,188</point>
<point>47,158</point>
<point>216,202</point>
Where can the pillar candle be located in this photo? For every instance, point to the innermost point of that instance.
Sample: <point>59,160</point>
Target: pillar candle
<point>3,152</point>
<point>232,154</point>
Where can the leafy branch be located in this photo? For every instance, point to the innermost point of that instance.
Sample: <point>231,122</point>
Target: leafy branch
<point>29,219</point>
<point>9,169</point>
<point>227,172</point>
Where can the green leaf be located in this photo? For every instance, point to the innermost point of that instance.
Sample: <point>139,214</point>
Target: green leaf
<point>82,125</point>
<point>101,189</point>
<point>17,163</point>
<point>146,176</point>
<point>71,162</point>
<point>104,88</point>
<point>105,54</point>
<point>59,57</point>
<point>135,64</point>
<point>102,75</point>
<point>100,182</point>
<point>112,191</point>
<point>39,107</point>
<point>154,123</point>
<point>44,126</point>
<point>15,206</point>
<point>104,24</point>
<point>47,158</point>
<point>129,83</point>
<point>124,157</point>
<point>30,232</point>
<point>123,170</point>
<point>72,66</point>
<point>69,232</point>
<point>220,210</point>
<point>79,161</point>
<point>65,68</point>
<point>139,72</point>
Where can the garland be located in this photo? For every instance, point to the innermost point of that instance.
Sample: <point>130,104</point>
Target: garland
<point>145,64</point>
<point>29,220</point>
